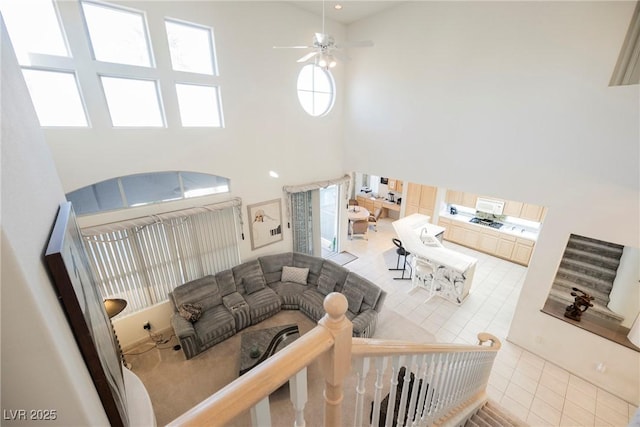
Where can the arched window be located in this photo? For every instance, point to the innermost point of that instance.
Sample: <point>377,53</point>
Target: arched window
<point>144,189</point>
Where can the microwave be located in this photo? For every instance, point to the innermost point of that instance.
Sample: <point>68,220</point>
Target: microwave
<point>495,207</point>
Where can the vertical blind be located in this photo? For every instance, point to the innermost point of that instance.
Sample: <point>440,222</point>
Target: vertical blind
<point>142,264</point>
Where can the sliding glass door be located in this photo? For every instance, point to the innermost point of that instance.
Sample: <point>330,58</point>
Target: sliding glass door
<point>329,231</point>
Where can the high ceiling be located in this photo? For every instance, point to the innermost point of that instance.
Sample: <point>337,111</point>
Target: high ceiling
<point>352,10</point>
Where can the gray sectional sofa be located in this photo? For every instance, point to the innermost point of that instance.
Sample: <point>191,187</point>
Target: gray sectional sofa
<point>253,291</point>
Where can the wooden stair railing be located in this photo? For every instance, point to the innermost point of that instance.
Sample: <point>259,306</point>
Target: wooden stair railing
<point>455,376</point>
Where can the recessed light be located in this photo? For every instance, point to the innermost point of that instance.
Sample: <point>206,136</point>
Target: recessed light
<point>338,6</point>
<point>273,174</point>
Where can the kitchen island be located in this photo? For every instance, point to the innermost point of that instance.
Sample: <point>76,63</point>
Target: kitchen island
<point>442,271</point>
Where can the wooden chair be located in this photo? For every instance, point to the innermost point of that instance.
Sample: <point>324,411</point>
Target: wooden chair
<point>373,219</point>
<point>359,228</point>
<point>352,202</point>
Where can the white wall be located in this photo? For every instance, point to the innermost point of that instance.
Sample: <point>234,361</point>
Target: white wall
<point>510,99</point>
<point>265,127</point>
<point>41,365</point>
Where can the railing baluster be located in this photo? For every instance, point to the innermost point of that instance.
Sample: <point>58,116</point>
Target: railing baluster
<point>261,414</point>
<point>406,381</point>
<point>298,393</point>
<point>425,371</point>
<point>381,364</point>
<point>362,369</point>
<point>395,368</point>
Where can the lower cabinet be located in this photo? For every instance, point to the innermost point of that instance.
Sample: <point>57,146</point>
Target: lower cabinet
<point>522,251</point>
<point>491,242</point>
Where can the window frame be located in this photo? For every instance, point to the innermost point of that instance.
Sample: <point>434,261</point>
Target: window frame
<point>313,92</point>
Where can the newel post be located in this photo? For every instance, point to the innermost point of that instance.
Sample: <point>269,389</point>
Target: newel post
<point>336,362</point>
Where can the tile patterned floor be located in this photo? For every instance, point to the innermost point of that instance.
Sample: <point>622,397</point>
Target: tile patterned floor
<point>528,386</point>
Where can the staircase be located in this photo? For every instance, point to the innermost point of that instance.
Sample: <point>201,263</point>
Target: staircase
<point>589,265</point>
<point>490,415</point>
<point>364,381</point>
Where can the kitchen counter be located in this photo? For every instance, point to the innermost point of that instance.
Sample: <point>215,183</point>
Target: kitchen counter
<point>450,273</point>
<point>510,229</point>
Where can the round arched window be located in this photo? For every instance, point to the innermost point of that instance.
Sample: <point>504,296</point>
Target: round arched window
<point>316,90</point>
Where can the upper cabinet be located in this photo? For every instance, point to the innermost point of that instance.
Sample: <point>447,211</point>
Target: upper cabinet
<point>454,197</point>
<point>512,208</point>
<point>394,185</point>
<point>531,212</point>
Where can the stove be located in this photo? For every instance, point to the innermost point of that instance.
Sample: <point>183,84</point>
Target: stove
<point>488,222</point>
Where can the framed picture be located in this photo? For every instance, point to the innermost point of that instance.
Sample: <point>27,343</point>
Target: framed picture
<point>265,223</point>
<point>76,288</point>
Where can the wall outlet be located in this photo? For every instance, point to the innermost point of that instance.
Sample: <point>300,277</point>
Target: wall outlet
<point>147,326</point>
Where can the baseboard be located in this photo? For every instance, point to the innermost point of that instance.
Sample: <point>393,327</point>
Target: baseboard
<point>166,333</point>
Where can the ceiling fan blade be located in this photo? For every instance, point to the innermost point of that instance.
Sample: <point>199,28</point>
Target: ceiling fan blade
<point>308,56</point>
<point>362,43</point>
<point>293,47</point>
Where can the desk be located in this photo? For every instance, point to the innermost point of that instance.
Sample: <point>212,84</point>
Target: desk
<point>452,271</point>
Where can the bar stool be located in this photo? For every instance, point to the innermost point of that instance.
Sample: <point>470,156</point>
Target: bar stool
<point>402,252</point>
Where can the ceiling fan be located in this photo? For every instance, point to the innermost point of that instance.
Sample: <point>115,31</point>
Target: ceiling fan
<point>325,51</point>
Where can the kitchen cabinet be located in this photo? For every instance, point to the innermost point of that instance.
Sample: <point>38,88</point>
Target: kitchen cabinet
<point>420,199</point>
<point>469,200</point>
<point>394,185</point>
<point>368,205</point>
<point>427,200</point>
<point>453,197</point>
<point>522,251</point>
<point>512,208</point>
<point>505,246</point>
<point>484,239</point>
<point>531,212</point>
<point>489,242</point>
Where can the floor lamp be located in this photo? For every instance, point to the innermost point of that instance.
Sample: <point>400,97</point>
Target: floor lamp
<point>114,306</point>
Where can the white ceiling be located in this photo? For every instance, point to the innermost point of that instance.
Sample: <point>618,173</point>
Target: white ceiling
<point>352,10</point>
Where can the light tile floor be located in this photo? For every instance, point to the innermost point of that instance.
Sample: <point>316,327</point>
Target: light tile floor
<point>533,389</point>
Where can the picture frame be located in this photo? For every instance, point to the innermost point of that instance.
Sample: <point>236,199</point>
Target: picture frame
<point>265,223</point>
<point>76,288</point>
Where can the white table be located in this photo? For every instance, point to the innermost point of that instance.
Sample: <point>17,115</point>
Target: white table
<point>358,214</point>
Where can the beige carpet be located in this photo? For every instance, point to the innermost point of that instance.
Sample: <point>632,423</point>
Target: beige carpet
<point>176,385</point>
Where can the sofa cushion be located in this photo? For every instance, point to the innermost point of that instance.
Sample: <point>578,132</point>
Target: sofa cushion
<point>354,298</point>
<point>203,291</point>
<point>295,274</point>
<point>369,291</point>
<point>272,266</point>
<point>249,271</point>
<point>263,304</point>
<point>252,285</point>
<point>311,304</point>
<point>289,293</point>
<point>326,285</point>
<point>190,312</point>
<point>214,326</point>
<point>335,272</point>
<point>314,264</point>
<point>226,283</point>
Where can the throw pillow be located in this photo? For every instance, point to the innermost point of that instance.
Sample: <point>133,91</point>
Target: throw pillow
<point>190,312</point>
<point>252,285</point>
<point>326,285</point>
<point>354,299</point>
<point>294,274</point>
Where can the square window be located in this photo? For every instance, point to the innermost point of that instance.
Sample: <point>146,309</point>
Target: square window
<point>198,105</point>
<point>191,47</point>
<point>117,35</point>
<point>56,97</point>
<point>132,102</point>
<point>34,28</point>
